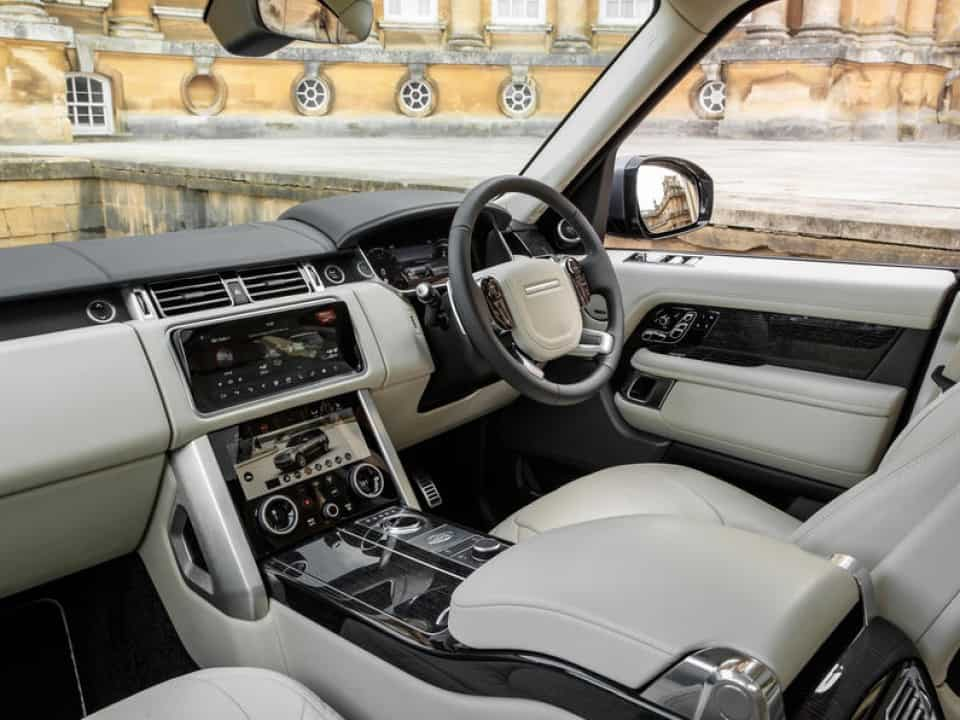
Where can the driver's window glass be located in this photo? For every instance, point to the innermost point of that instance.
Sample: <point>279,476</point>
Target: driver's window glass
<point>818,148</point>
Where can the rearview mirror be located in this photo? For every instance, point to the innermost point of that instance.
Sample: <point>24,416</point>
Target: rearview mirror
<point>260,27</point>
<point>659,197</point>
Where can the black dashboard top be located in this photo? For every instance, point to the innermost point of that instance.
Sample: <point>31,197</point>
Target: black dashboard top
<point>68,267</point>
<point>308,230</point>
<point>343,217</point>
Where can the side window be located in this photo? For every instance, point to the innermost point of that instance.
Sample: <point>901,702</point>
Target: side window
<point>825,136</point>
<point>89,104</point>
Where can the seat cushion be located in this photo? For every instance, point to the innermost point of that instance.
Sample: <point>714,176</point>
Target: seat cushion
<point>223,694</point>
<point>648,489</point>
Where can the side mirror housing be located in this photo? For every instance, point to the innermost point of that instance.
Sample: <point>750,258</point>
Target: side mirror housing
<point>656,197</point>
<point>259,27</point>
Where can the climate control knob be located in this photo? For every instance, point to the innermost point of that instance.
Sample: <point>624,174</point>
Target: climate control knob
<point>485,548</point>
<point>367,480</point>
<point>278,515</point>
<point>331,511</point>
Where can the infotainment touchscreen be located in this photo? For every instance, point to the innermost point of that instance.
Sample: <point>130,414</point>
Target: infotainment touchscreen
<point>236,361</point>
<point>269,457</point>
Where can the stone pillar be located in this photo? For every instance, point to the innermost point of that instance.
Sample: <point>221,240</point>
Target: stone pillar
<point>948,24</point>
<point>821,19</point>
<point>879,20</point>
<point>466,25</point>
<point>571,35</point>
<point>921,19</point>
<point>24,11</point>
<point>769,22</point>
<point>133,19</point>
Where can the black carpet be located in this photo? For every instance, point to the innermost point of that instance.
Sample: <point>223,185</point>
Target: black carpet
<point>38,677</point>
<point>123,639</point>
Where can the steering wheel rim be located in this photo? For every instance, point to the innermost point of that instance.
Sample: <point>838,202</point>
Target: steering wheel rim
<point>473,311</point>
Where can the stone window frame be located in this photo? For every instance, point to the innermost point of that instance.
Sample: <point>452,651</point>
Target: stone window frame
<point>620,21</point>
<point>497,18</point>
<point>106,104</point>
<point>402,17</point>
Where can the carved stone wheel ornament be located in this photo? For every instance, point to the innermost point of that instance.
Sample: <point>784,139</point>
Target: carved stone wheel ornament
<point>416,98</point>
<point>312,95</point>
<point>518,99</point>
<point>712,98</point>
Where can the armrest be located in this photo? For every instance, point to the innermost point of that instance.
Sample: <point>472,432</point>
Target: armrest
<point>629,597</point>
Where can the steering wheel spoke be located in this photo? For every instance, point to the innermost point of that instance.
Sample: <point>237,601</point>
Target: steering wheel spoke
<point>593,343</point>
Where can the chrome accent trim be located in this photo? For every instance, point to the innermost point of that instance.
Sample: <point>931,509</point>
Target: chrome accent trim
<point>400,479</point>
<point>566,239</point>
<point>139,311</point>
<point>859,572</point>
<point>527,363</point>
<point>159,306</point>
<point>232,582</point>
<point>271,270</point>
<point>593,343</point>
<point>356,487</point>
<point>719,684</point>
<point>94,318</point>
<point>267,503</point>
<point>313,277</point>
<point>910,700</point>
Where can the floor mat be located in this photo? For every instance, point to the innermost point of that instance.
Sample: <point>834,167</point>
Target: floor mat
<point>38,671</point>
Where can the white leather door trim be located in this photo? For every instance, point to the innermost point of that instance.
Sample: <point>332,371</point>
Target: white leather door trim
<point>823,427</point>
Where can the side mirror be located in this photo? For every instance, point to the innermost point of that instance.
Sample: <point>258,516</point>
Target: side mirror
<point>259,27</point>
<point>659,197</point>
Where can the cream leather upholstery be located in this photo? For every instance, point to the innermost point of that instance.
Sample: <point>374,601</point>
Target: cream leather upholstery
<point>901,522</point>
<point>651,489</point>
<point>223,694</point>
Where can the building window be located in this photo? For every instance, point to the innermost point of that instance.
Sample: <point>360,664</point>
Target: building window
<point>410,10</point>
<point>89,104</point>
<point>520,12</point>
<point>625,12</point>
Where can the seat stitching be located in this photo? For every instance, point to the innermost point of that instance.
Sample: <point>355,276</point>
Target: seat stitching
<point>223,692</point>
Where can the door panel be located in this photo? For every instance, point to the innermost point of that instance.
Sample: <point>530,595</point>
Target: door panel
<point>799,366</point>
<point>819,426</point>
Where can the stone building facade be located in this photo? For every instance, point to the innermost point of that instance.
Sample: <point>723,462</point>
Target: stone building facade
<point>71,69</point>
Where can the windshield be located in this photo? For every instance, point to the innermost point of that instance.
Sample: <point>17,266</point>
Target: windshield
<point>157,128</point>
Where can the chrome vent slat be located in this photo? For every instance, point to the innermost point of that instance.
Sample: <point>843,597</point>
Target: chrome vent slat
<point>278,281</point>
<point>910,701</point>
<point>176,297</point>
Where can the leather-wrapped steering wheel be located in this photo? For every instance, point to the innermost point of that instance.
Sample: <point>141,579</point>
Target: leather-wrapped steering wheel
<point>526,312</point>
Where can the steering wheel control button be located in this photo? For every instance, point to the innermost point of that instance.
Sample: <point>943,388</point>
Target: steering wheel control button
<point>579,279</point>
<point>101,311</point>
<point>278,515</point>
<point>496,302</point>
<point>486,548</point>
<point>367,480</point>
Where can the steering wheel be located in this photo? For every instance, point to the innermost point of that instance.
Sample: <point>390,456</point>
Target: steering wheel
<point>526,312</point>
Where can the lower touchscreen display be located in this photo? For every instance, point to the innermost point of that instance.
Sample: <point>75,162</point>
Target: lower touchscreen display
<point>271,455</point>
<point>236,361</point>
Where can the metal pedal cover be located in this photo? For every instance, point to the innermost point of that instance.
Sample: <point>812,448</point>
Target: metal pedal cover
<point>429,490</point>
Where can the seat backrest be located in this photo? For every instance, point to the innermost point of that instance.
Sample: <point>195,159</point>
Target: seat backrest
<point>903,522</point>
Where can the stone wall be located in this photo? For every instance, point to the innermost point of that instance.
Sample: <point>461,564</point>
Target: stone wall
<point>53,200</point>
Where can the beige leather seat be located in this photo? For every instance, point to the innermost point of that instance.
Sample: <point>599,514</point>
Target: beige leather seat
<point>223,694</point>
<point>901,522</point>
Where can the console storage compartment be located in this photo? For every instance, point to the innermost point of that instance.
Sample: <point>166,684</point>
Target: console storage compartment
<point>627,598</point>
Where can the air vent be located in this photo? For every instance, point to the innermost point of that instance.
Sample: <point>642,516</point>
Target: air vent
<point>910,700</point>
<point>203,292</point>
<point>273,282</point>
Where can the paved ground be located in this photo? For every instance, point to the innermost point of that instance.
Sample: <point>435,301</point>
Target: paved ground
<point>906,183</point>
